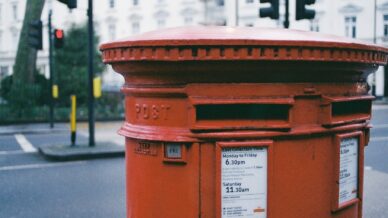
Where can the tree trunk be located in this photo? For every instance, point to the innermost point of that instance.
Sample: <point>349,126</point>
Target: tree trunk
<point>25,63</point>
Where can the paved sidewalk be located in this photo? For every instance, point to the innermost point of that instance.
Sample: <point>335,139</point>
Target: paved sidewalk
<point>104,131</point>
<point>34,128</point>
<point>108,144</point>
<point>56,144</point>
<point>381,101</point>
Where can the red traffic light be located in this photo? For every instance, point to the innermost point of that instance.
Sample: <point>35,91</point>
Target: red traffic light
<point>59,33</point>
<point>59,37</point>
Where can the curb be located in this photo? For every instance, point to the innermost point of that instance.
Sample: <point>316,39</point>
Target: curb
<point>380,101</point>
<point>380,107</point>
<point>81,152</point>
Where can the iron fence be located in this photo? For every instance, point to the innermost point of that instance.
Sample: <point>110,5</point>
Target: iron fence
<point>108,107</point>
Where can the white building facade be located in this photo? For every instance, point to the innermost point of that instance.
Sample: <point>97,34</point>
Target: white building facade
<point>113,19</point>
<point>349,18</point>
<point>120,18</point>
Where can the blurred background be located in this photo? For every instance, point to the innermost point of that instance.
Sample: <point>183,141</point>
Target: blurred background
<point>366,20</point>
<point>39,72</point>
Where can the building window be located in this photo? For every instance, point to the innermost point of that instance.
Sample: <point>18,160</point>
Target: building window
<point>1,42</point>
<point>112,31</point>
<point>112,3</point>
<point>135,2</point>
<point>15,36</point>
<point>385,25</point>
<point>220,2</point>
<point>350,26</point>
<point>1,14</point>
<point>161,23</point>
<point>188,20</point>
<point>314,25</point>
<point>135,27</point>
<point>4,71</point>
<point>15,11</point>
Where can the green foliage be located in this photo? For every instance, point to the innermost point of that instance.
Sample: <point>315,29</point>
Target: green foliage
<point>23,101</point>
<point>5,87</point>
<point>27,100</point>
<point>25,95</point>
<point>110,105</point>
<point>71,65</point>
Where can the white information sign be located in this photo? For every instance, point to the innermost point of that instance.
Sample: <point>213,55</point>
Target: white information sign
<point>348,170</point>
<point>244,182</point>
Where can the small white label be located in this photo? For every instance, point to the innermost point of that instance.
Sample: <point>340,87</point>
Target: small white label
<point>173,151</point>
<point>244,182</point>
<point>348,170</point>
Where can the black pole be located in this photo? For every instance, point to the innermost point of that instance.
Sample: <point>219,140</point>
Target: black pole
<point>385,82</point>
<point>51,71</point>
<point>287,16</point>
<point>374,25</point>
<point>90,69</point>
<point>374,41</point>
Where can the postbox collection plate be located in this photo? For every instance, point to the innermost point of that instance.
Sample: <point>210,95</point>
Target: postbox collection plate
<point>244,182</point>
<point>348,182</point>
<point>349,169</point>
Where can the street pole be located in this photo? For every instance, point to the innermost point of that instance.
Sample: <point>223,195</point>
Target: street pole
<point>51,71</point>
<point>287,16</point>
<point>374,41</point>
<point>90,69</point>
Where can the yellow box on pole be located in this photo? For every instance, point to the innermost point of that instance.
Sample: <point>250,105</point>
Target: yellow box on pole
<point>73,119</point>
<point>97,87</point>
<point>73,115</point>
<point>55,91</point>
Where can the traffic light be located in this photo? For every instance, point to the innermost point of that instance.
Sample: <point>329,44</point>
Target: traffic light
<point>272,11</point>
<point>302,12</point>
<point>58,38</point>
<point>71,4</point>
<point>35,34</point>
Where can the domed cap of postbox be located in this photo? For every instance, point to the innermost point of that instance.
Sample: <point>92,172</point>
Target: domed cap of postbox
<point>241,43</point>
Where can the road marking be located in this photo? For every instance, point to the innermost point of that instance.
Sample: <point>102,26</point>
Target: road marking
<point>37,166</point>
<point>24,143</point>
<point>11,152</point>
<point>379,139</point>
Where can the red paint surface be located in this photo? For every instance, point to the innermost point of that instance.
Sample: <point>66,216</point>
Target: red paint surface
<point>174,74</point>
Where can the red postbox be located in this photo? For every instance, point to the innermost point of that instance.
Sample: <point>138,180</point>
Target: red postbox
<point>244,122</point>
